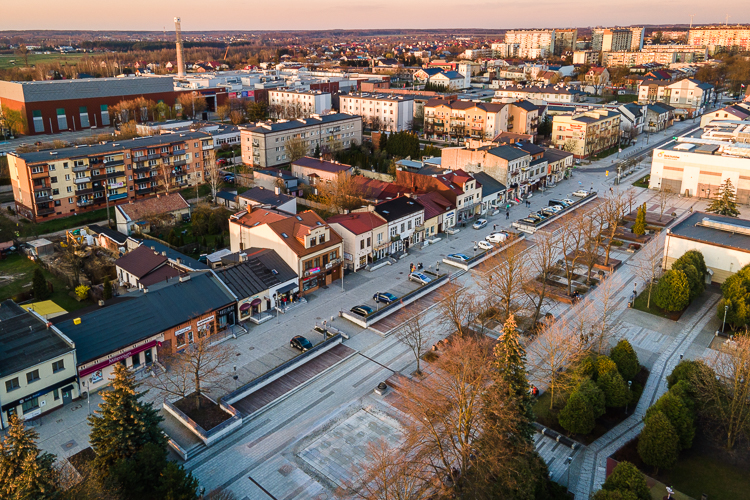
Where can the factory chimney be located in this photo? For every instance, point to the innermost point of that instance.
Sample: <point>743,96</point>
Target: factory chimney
<point>180,59</point>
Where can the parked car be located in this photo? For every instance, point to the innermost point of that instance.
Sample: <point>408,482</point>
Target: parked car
<point>568,201</point>
<point>552,210</point>
<point>479,224</point>
<point>485,245</point>
<point>497,237</point>
<point>559,203</point>
<point>362,310</point>
<point>420,278</point>
<point>581,193</point>
<point>384,297</point>
<point>459,256</point>
<point>229,178</point>
<point>221,161</point>
<point>301,343</point>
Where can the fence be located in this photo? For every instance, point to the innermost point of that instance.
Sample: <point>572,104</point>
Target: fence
<point>313,204</point>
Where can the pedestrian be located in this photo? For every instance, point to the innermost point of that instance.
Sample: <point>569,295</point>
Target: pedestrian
<point>507,215</point>
<point>610,190</point>
<point>494,226</point>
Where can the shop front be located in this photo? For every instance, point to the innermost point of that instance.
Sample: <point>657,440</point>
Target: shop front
<point>98,373</point>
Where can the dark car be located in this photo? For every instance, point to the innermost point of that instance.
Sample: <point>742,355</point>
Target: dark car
<point>301,343</point>
<point>384,297</point>
<point>361,310</point>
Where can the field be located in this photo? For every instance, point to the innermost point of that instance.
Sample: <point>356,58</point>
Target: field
<point>27,229</point>
<point>64,59</point>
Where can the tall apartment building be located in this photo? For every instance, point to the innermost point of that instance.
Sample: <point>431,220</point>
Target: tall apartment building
<point>453,118</point>
<point>565,41</point>
<point>611,40</point>
<point>380,111</point>
<point>588,57</point>
<point>715,37</point>
<point>56,183</point>
<point>660,54</point>
<point>293,104</point>
<point>636,42</point>
<point>264,145</point>
<point>541,42</point>
<point>586,134</point>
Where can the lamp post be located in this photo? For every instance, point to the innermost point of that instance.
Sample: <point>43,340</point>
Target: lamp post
<point>88,394</point>
<point>726,308</point>
<point>234,376</point>
<point>630,383</point>
<point>437,267</point>
<point>568,461</point>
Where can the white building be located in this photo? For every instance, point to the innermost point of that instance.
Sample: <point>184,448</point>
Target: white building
<point>298,104</point>
<point>587,57</point>
<point>553,94</point>
<point>541,42</point>
<point>687,94</point>
<point>380,111</point>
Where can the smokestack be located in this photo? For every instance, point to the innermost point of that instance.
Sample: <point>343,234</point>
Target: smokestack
<point>180,59</point>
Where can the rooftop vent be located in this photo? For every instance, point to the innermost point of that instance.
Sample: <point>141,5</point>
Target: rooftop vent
<point>724,226</point>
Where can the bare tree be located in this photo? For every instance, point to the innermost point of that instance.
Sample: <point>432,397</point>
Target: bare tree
<point>457,309</point>
<point>664,196</point>
<point>412,334</point>
<point>541,258</point>
<point>342,194</point>
<point>503,278</point>
<point>212,174</point>
<point>222,112</point>
<point>192,104</point>
<point>571,239</point>
<point>166,173</point>
<point>648,264</point>
<point>630,197</point>
<point>592,227</point>
<point>603,301</point>
<point>551,356</point>
<point>295,148</point>
<point>198,368</point>
<point>611,212</point>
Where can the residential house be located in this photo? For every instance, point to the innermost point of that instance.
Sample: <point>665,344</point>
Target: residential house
<point>689,96</point>
<point>586,134</point>
<point>457,186</point>
<point>439,213</point>
<point>633,119</point>
<point>261,281</point>
<point>405,217</point>
<point>422,75</point>
<point>312,171</point>
<point>597,77</point>
<point>381,112</point>
<point>137,216</point>
<point>271,178</point>
<point>267,198</point>
<point>537,169</point>
<point>507,164</point>
<point>559,164</point>
<point>365,237</point>
<point>523,118</point>
<point>659,116</point>
<point>293,104</point>
<point>227,198</point>
<point>304,241</point>
<point>731,112</point>
<point>451,80</point>
<point>142,326</point>
<point>453,118</point>
<point>553,94</point>
<point>37,365</point>
<point>143,267</point>
<point>493,192</point>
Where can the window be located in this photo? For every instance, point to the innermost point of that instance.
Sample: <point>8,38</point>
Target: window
<point>11,385</point>
<point>362,245</point>
<point>312,241</point>
<point>56,394</point>
<point>38,121</point>
<point>334,255</point>
<point>402,227</point>
<point>321,239</point>
<point>84,114</point>
<point>53,180</point>
<point>55,192</point>
<point>30,404</point>
<point>105,114</point>
<point>62,120</point>
<point>70,189</point>
<point>180,338</point>
<point>393,231</point>
<point>67,177</point>
<point>32,376</point>
<point>408,225</point>
<point>58,366</point>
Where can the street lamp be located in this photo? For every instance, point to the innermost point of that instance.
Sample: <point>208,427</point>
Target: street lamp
<point>630,383</point>
<point>726,308</point>
<point>437,267</point>
<point>568,461</point>
<point>88,394</point>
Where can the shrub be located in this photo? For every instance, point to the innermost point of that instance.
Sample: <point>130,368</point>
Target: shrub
<point>615,389</point>
<point>659,445</point>
<point>627,478</point>
<point>695,280</point>
<point>604,365</point>
<point>678,414</point>
<point>577,417</point>
<point>82,291</point>
<point>639,227</point>
<point>626,359</point>
<point>672,292</point>
<point>594,396</point>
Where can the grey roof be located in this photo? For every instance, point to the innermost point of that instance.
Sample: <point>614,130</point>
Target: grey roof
<point>530,148</point>
<point>85,88</point>
<point>300,123</point>
<point>660,107</point>
<point>116,236</point>
<point>174,255</point>
<point>262,270</point>
<point>489,184</point>
<point>710,235</point>
<point>526,105</point>
<point>265,196</point>
<point>114,327</point>
<point>226,195</point>
<point>397,208</point>
<point>508,153</point>
<point>25,340</point>
<point>110,147</point>
<point>553,154</point>
<point>633,109</point>
<point>277,173</point>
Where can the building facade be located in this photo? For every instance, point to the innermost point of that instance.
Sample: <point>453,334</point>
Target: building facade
<point>720,37</point>
<point>298,103</point>
<point>365,237</point>
<point>528,41</point>
<point>379,111</point>
<point>588,133</point>
<point>452,118</point>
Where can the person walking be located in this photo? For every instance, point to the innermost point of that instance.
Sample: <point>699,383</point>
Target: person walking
<point>507,215</point>
<point>494,227</point>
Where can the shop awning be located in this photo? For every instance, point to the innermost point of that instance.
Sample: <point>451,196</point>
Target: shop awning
<point>115,359</point>
<point>287,288</point>
<point>245,306</point>
<point>255,302</point>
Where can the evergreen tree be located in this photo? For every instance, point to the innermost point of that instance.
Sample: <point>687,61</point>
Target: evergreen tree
<point>695,281</point>
<point>172,238</point>
<point>595,397</point>
<point>107,288</point>
<point>614,495</point>
<point>678,414</point>
<point>383,144</point>
<point>510,361</point>
<point>176,484</point>
<point>627,477</point>
<point>639,227</point>
<point>684,371</point>
<point>39,284</point>
<point>736,293</point>
<point>659,445</point>
<point>672,292</point>
<point>316,154</point>
<point>615,389</point>
<point>626,359</point>
<point>577,417</point>
<point>725,203</point>
<point>25,472</point>
<point>182,240</point>
<point>123,424</point>
<point>604,365</point>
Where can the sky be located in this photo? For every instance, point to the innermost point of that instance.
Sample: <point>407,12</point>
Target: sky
<point>204,15</point>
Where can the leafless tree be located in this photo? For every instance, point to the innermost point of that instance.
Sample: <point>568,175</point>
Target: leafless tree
<point>571,239</point>
<point>503,278</point>
<point>541,258</point>
<point>237,117</point>
<point>413,334</point>
<point>611,212</point>
<point>664,196</point>
<point>342,194</point>
<point>552,355</point>
<point>630,197</point>
<point>603,303</point>
<point>295,148</point>
<point>222,112</point>
<point>457,309</point>
<point>592,227</point>
<point>648,264</point>
<point>212,173</point>
<point>198,368</point>
<point>166,174</point>
<point>192,104</point>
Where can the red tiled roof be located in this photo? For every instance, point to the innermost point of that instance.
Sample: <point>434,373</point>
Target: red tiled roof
<point>159,204</point>
<point>358,222</point>
<point>434,204</point>
<point>141,261</point>
<point>298,225</point>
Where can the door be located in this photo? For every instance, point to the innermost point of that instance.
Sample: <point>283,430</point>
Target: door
<point>67,394</point>
<point>149,359</point>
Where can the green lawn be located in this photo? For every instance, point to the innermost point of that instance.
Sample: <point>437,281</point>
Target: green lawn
<point>189,193</point>
<point>28,229</point>
<point>17,271</point>
<point>641,301</point>
<point>627,98</point>
<point>64,59</point>
<point>643,181</point>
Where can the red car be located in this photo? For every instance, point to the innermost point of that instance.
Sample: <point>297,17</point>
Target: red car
<point>221,161</point>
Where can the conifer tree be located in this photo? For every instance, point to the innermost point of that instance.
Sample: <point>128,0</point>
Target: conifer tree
<point>39,284</point>
<point>107,291</point>
<point>577,416</point>
<point>510,361</point>
<point>659,444</point>
<point>25,472</point>
<point>639,227</point>
<point>725,203</point>
<point>626,359</point>
<point>123,424</point>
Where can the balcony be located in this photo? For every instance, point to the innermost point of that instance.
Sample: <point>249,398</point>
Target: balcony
<point>43,198</point>
<point>117,173</point>
<point>207,147</point>
<point>179,163</point>
<point>143,191</point>
<point>45,211</point>
<point>81,168</point>
<point>115,197</point>
<point>140,167</point>
<point>39,175</point>
<point>151,157</point>
<point>40,187</point>
<point>81,192</point>
<point>114,163</point>
<point>85,203</point>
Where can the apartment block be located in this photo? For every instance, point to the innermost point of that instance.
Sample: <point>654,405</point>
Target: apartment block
<point>553,94</point>
<point>586,134</point>
<point>508,165</point>
<point>688,94</point>
<point>298,103</point>
<point>530,40</point>
<point>565,41</point>
<point>56,183</point>
<point>659,54</point>
<point>587,57</point>
<point>611,40</point>
<point>264,145</point>
<point>380,111</point>
<point>454,118</point>
<point>720,37</point>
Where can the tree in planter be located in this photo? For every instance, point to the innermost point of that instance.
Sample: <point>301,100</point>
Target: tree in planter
<point>627,478</point>
<point>40,286</point>
<point>659,444</point>
<point>412,334</point>
<point>615,389</point>
<point>725,203</point>
<point>673,292</point>
<point>696,285</point>
<point>577,417</point>
<point>639,227</point>
<point>107,291</point>
<point>626,359</point>
<point>678,414</point>
<point>123,424</point>
<point>25,471</point>
<point>648,264</point>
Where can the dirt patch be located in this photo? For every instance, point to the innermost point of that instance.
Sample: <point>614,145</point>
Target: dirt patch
<point>208,415</point>
<point>81,460</point>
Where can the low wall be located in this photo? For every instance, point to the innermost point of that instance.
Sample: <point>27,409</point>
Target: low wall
<point>532,228</point>
<point>370,174</point>
<point>209,437</point>
<point>313,204</point>
<point>365,322</point>
<point>281,370</point>
<point>482,257</point>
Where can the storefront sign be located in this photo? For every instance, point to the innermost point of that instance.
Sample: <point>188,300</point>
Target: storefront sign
<point>183,330</point>
<point>206,320</point>
<point>32,414</point>
<point>114,358</point>
<point>96,377</point>
<point>313,270</point>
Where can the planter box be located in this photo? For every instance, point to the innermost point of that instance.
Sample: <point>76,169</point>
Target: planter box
<point>210,436</point>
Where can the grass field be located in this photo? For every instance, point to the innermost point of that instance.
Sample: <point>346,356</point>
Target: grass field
<point>27,230</point>
<point>64,59</point>
<point>16,273</point>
